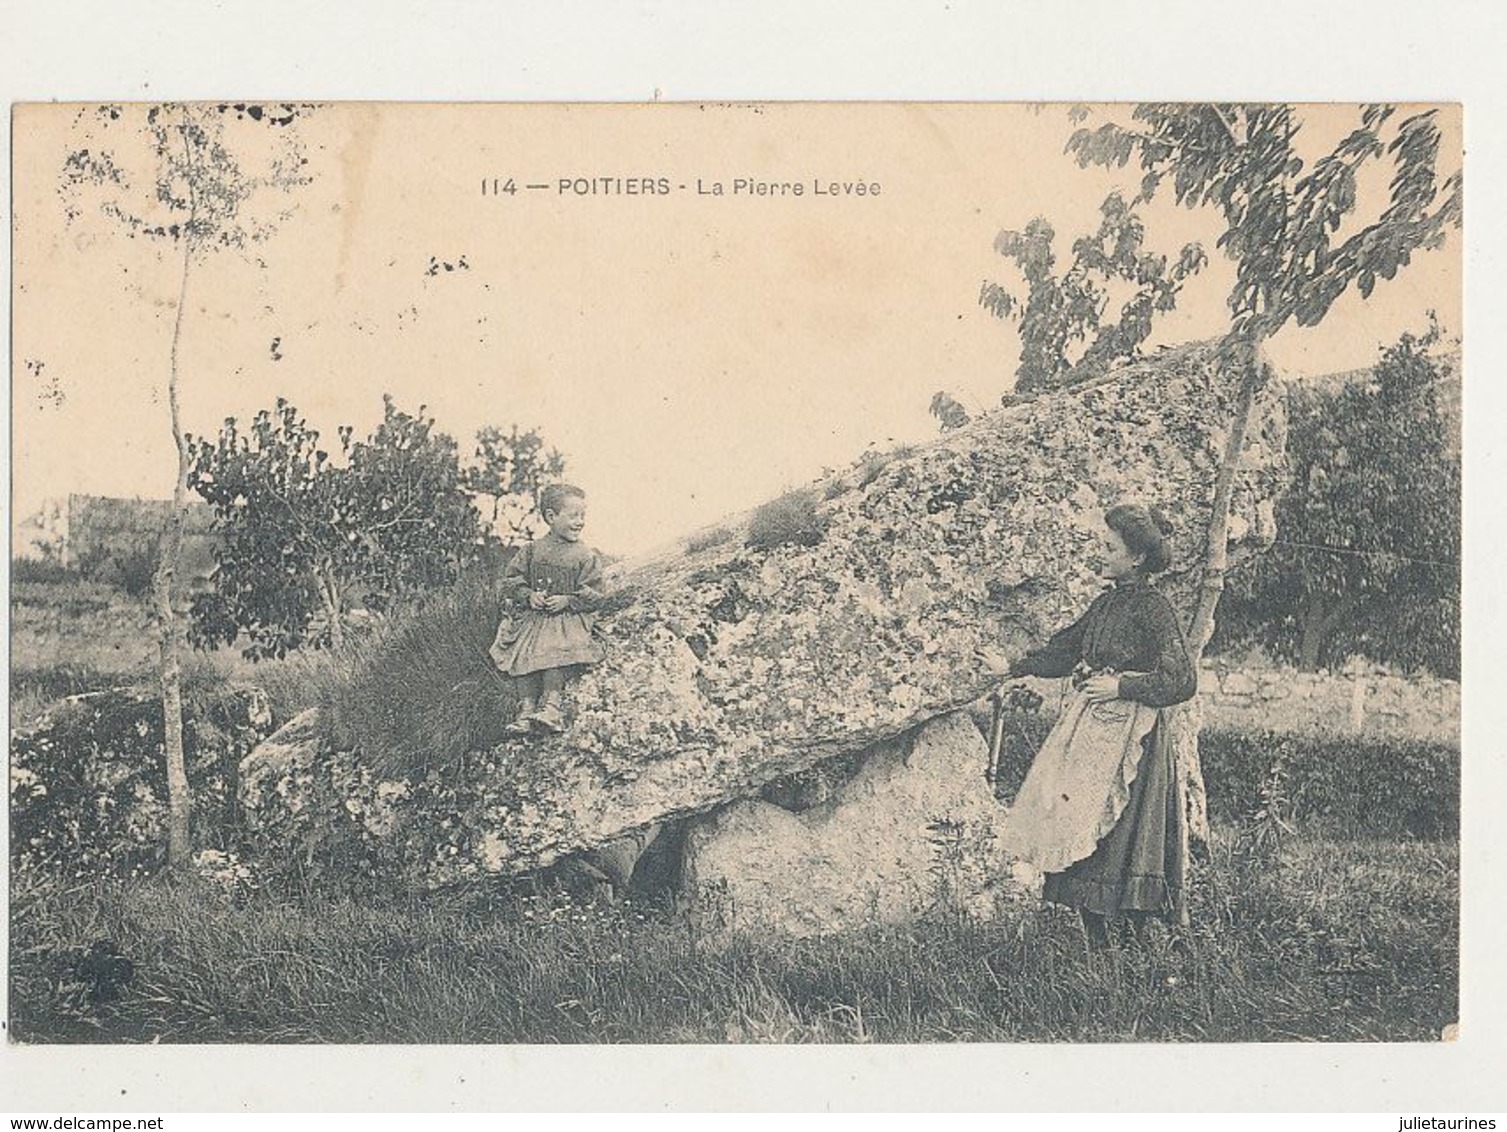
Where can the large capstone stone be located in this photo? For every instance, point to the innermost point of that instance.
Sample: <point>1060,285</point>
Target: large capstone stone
<point>819,627</point>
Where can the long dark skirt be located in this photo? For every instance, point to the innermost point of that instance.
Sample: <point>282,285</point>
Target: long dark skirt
<point>1140,865</point>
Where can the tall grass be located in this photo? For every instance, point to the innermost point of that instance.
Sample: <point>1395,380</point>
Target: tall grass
<point>421,691</point>
<point>1335,941</point>
<point>309,678</point>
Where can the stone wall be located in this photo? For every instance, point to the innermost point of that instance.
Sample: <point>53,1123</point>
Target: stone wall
<point>1362,698</point>
<point>1359,698</point>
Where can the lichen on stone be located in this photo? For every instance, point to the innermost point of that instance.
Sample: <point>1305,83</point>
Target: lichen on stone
<point>755,659</point>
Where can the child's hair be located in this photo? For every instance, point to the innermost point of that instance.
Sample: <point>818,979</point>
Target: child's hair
<point>553,496</point>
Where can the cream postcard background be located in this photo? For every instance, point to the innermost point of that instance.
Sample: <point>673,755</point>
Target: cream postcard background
<point>691,354</point>
<point>94,52</point>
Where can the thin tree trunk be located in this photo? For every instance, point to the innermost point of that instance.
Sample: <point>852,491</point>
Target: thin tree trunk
<point>337,628</point>
<point>1216,550</point>
<point>329,594</point>
<point>179,801</point>
<point>1319,626</point>
<point>1188,720</point>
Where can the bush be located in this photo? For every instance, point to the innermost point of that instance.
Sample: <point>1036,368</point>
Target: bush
<point>88,784</point>
<point>43,571</point>
<point>1355,783</point>
<point>791,519</point>
<point>131,566</point>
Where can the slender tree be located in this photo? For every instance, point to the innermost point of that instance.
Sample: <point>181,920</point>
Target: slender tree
<point>1285,223</point>
<point>198,198</point>
<point>1291,231</point>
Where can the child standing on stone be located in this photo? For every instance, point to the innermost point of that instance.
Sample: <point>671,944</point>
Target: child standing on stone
<point>553,588</point>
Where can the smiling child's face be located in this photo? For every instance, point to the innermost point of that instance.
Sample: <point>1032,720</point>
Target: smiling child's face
<point>569,520</point>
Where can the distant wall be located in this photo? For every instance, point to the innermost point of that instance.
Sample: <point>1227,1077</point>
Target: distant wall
<point>100,529</point>
<point>1272,697</point>
<point>1360,698</point>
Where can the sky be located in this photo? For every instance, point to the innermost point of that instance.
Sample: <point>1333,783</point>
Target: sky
<point>691,354</point>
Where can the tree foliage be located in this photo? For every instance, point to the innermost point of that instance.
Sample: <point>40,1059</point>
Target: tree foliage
<point>1285,219</point>
<point>306,534</point>
<point>1368,555</point>
<point>1060,312</point>
<point>508,470</point>
<point>1289,228</point>
<point>1291,231</point>
<point>218,176</point>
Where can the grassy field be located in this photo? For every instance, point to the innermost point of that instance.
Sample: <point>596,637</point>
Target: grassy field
<point>1335,933</point>
<point>69,636</point>
<point>1333,941</point>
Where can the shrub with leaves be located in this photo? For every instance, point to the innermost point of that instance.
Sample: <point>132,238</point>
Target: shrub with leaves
<point>302,536</point>
<point>88,789</point>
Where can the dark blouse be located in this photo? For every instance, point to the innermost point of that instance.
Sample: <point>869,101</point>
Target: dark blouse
<point>1130,630</point>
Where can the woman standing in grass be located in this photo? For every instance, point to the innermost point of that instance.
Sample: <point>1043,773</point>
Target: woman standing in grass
<point>554,584</point>
<point>1099,811</point>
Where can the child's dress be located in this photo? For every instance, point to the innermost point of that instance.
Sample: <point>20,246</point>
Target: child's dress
<point>532,640</point>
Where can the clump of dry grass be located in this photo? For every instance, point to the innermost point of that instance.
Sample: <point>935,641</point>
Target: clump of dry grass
<point>705,540</point>
<point>792,519</point>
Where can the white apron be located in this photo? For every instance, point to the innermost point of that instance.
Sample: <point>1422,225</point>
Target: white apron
<point>1079,783</point>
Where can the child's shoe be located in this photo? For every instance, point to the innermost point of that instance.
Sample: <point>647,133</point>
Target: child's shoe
<point>548,717</point>
<point>524,722</point>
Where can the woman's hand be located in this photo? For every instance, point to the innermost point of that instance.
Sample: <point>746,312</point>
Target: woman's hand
<point>537,600</point>
<point>994,662</point>
<point>1101,689</point>
<point>557,603</point>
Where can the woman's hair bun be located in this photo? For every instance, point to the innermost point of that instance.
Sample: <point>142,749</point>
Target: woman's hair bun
<point>1146,531</point>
